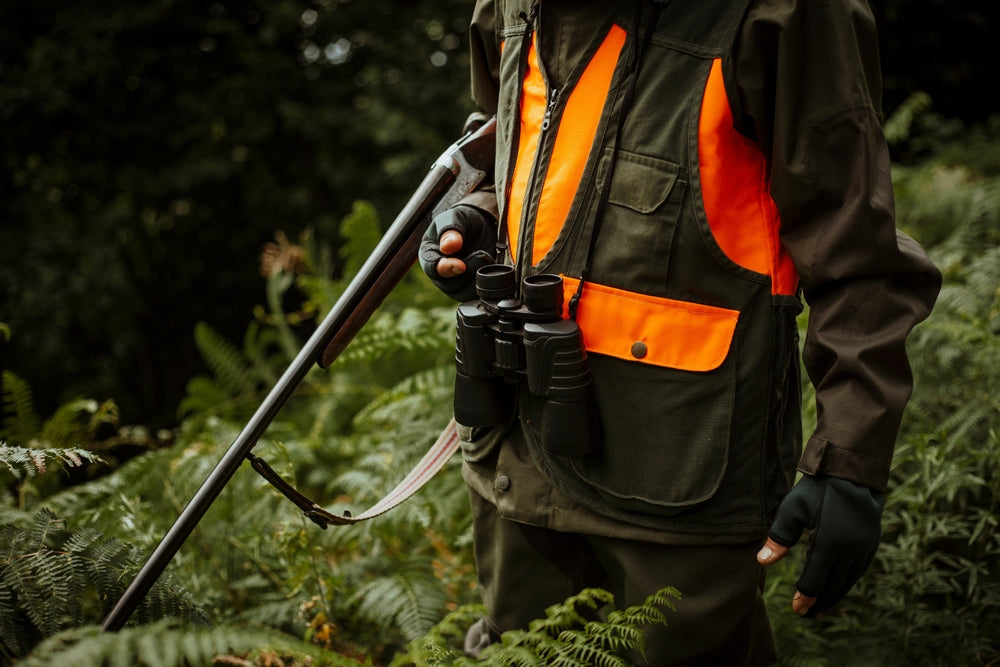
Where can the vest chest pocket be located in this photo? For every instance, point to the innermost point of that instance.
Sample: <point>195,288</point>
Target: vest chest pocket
<point>640,219</point>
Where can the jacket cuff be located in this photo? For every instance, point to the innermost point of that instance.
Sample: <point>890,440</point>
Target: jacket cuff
<point>484,200</point>
<point>822,457</point>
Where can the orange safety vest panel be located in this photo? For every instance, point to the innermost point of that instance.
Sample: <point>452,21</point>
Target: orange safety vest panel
<point>572,146</point>
<point>734,188</point>
<point>738,206</point>
<point>741,214</point>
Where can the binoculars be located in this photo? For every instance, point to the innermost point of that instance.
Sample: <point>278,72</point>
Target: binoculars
<point>501,340</point>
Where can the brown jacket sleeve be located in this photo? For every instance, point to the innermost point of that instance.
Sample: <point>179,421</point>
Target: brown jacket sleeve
<point>808,90</point>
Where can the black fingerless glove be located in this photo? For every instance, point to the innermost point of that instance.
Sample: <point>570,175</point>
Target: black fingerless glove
<point>844,521</point>
<point>479,234</point>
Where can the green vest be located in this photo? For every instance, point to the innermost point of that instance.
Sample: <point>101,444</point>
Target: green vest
<point>689,303</point>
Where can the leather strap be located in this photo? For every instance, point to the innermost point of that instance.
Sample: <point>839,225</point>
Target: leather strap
<point>432,462</point>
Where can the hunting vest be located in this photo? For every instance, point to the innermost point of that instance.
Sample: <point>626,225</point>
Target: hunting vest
<point>688,301</point>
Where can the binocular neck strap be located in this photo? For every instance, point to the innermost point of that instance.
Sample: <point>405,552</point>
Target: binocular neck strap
<point>629,95</point>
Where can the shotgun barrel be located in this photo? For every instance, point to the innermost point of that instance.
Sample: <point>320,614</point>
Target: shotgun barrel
<point>458,171</point>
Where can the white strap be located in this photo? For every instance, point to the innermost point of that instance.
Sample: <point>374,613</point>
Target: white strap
<point>435,459</point>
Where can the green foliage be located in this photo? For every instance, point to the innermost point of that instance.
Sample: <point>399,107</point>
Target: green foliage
<point>148,152</point>
<point>932,596</point>
<point>442,645</point>
<point>50,579</point>
<point>80,421</point>
<point>20,419</point>
<point>168,644</point>
<point>238,376</point>
<point>410,599</point>
<point>27,462</point>
<point>408,333</point>
<point>899,127</point>
<point>961,339</point>
<point>277,588</point>
<point>584,631</point>
<point>347,436</point>
<point>933,589</point>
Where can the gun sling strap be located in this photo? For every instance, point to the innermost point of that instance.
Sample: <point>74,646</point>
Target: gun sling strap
<point>435,459</point>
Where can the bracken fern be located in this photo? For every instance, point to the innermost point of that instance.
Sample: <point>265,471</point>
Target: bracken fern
<point>169,644</point>
<point>51,580</point>
<point>569,635</point>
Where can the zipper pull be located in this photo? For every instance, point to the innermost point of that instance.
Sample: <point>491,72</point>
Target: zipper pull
<point>547,120</point>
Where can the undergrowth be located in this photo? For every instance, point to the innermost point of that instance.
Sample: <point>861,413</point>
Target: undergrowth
<point>258,584</point>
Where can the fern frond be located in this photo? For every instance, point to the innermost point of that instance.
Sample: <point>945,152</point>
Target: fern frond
<point>13,635</point>
<point>650,612</point>
<point>259,348</point>
<point>21,461</point>
<point>227,363</point>
<point>81,541</point>
<point>433,385</point>
<point>566,637</point>
<point>37,577</point>
<point>45,524</point>
<point>27,462</point>
<point>361,232</point>
<point>77,421</point>
<point>519,652</point>
<point>20,421</point>
<point>51,579</point>
<point>109,565</point>
<point>46,590</point>
<point>898,126</point>
<point>107,561</point>
<point>412,601</point>
<point>416,332</point>
<point>168,644</point>
<point>201,394</point>
<point>576,650</point>
<point>443,644</point>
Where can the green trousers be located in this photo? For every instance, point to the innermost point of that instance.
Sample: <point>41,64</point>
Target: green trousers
<point>720,619</point>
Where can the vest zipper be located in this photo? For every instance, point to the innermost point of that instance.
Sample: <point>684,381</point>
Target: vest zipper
<point>553,98</point>
<point>526,215</point>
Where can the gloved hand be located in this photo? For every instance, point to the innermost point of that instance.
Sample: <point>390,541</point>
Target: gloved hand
<point>844,521</point>
<point>456,244</point>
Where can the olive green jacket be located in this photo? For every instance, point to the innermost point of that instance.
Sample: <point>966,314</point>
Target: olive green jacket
<point>701,425</point>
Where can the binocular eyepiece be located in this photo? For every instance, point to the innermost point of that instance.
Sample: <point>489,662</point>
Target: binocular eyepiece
<point>501,340</point>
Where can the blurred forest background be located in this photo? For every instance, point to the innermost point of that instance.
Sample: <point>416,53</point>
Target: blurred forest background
<point>149,151</point>
<point>186,187</point>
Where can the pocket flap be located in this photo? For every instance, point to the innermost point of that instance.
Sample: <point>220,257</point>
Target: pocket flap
<point>652,330</point>
<point>641,183</point>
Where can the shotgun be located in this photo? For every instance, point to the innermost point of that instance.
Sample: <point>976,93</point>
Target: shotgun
<point>456,173</point>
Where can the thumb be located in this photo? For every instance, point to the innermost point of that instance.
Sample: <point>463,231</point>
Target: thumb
<point>451,242</point>
<point>771,552</point>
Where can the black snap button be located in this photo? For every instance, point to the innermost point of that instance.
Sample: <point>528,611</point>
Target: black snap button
<point>503,482</point>
<point>639,350</point>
